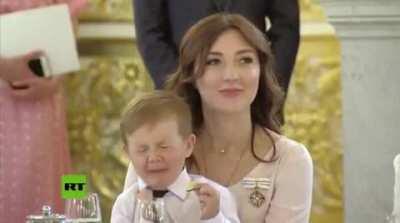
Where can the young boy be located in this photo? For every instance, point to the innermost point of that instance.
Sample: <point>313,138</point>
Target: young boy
<point>157,134</point>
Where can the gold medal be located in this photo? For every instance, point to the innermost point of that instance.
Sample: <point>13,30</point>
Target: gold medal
<point>256,198</point>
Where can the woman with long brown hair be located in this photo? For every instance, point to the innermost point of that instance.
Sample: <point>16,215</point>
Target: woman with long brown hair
<point>226,75</point>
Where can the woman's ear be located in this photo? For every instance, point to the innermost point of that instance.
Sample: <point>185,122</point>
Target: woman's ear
<point>190,142</point>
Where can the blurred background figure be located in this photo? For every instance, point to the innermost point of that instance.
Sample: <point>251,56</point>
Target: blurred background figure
<point>34,151</point>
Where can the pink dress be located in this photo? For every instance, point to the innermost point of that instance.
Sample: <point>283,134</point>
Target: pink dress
<point>34,151</point>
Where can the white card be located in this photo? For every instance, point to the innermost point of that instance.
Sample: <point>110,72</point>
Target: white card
<point>48,29</point>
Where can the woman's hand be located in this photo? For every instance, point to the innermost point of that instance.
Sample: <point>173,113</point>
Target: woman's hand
<point>16,68</point>
<point>35,87</point>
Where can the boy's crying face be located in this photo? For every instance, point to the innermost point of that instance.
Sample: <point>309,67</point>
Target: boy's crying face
<point>158,152</point>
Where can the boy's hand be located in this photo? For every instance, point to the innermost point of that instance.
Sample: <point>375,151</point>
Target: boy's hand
<point>209,201</point>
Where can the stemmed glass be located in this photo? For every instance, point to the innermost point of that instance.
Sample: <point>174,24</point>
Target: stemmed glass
<point>86,210</point>
<point>152,211</point>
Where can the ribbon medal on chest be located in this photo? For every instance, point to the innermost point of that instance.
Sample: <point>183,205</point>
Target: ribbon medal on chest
<point>256,198</point>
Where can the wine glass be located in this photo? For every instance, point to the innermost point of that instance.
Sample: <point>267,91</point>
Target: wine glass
<point>152,211</point>
<point>86,210</point>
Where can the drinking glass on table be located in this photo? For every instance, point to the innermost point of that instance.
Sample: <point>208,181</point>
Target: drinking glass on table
<point>152,211</point>
<point>85,210</point>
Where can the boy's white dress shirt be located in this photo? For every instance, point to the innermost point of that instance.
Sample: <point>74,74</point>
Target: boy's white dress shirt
<point>181,206</point>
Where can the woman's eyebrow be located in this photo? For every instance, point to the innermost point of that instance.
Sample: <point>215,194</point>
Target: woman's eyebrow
<point>242,51</point>
<point>246,51</point>
<point>214,53</point>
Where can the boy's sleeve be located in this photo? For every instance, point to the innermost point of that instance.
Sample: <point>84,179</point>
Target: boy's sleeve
<point>130,178</point>
<point>124,206</point>
<point>220,218</point>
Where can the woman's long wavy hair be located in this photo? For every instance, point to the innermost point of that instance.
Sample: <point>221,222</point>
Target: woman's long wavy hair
<point>194,49</point>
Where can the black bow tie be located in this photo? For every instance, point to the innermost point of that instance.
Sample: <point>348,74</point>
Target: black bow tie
<point>159,193</point>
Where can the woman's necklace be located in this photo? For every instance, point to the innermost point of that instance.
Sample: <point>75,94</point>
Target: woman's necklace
<point>237,165</point>
<point>223,151</point>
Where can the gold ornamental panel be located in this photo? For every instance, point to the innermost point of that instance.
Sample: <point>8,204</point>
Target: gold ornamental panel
<point>313,115</point>
<point>108,10</point>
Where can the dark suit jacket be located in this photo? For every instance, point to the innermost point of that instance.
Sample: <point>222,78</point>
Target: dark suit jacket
<point>161,24</point>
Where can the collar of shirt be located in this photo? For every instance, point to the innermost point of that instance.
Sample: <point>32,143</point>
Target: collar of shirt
<point>178,187</point>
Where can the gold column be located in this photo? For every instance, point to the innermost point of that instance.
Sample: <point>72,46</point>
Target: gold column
<point>314,111</point>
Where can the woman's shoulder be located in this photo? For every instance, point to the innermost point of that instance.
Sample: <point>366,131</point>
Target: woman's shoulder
<point>290,149</point>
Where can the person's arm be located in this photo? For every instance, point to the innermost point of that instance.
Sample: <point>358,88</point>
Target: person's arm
<point>36,88</point>
<point>219,218</point>
<point>24,84</point>
<point>284,35</point>
<point>153,38</point>
<point>118,213</point>
<point>224,217</point>
<point>291,200</point>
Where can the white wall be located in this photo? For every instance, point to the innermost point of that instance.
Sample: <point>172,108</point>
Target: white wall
<point>369,33</point>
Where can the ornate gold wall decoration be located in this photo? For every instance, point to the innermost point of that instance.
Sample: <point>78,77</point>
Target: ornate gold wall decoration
<point>108,10</point>
<point>311,11</point>
<point>313,116</point>
<point>314,111</point>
